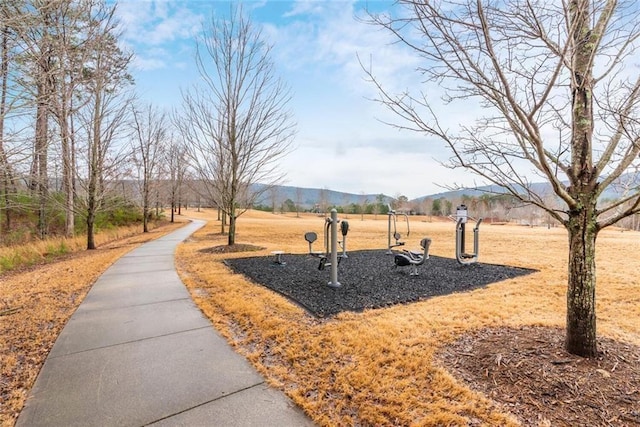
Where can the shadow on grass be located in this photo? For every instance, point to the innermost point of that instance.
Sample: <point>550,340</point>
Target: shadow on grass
<point>369,279</point>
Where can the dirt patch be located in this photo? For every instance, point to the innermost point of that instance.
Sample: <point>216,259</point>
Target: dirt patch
<point>227,249</point>
<point>530,375</point>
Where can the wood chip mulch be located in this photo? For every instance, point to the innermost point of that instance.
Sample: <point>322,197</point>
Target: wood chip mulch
<point>227,249</point>
<point>527,372</point>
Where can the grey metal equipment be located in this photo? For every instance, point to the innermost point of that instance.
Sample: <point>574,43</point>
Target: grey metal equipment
<point>462,256</point>
<point>392,219</point>
<point>330,258</point>
<point>334,250</point>
<point>413,259</point>
<point>311,237</point>
<point>344,229</point>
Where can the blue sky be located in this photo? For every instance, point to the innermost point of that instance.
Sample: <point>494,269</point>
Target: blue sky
<point>340,144</point>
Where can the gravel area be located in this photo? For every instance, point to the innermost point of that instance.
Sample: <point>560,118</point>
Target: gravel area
<point>369,279</point>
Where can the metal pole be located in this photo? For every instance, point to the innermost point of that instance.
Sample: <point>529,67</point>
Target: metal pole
<point>334,250</point>
<point>389,214</point>
<point>476,238</point>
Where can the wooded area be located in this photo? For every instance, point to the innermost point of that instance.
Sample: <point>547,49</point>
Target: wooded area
<point>67,110</point>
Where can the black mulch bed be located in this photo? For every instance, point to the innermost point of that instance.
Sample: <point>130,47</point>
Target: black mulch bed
<point>369,279</point>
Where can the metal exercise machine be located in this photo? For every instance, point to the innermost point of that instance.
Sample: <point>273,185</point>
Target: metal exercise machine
<point>462,255</point>
<point>330,258</point>
<point>392,219</point>
<point>413,259</point>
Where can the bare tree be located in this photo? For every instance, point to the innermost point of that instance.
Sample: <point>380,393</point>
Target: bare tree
<point>299,195</point>
<point>537,67</point>
<point>236,125</point>
<point>176,168</point>
<point>150,135</point>
<point>38,40</point>
<point>364,201</point>
<point>103,117</point>
<point>8,36</point>
<point>274,197</point>
<point>323,200</point>
<point>74,39</point>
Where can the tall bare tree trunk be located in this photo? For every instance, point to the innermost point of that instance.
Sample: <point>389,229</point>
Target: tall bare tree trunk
<point>67,178</point>
<point>145,207</point>
<point>44,87</point>
<point>91,218</point>
<point>581,314</point>
<point>93,185</point>
<point>582,222</point>
<point>41,183</point>
<point>232,227</point>
<point>5,167</point>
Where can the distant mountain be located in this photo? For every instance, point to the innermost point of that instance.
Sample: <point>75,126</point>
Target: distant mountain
<point>541,188</point>
<point>309,197</point>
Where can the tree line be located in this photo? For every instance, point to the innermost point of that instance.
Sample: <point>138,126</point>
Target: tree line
<point>66,106</point>
<point>77,145</point>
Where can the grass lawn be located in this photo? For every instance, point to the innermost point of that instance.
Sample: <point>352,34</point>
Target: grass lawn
<point>437,361</point>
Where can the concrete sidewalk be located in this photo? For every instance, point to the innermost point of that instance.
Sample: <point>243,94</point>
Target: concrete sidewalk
<point>138,352</point>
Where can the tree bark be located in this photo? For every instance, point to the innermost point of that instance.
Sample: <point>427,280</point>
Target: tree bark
<point>582,222</point>
<point>91,241</point>
<point>95,168</point>
<point>67,178</point>
<point>7,176</point>
<point>581,313</point>
<point>40,162</point>
<point>232,227</point>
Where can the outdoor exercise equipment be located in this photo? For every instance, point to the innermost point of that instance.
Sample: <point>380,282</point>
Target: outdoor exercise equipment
<point>330,258</point>
<point>344,229</point>
<point>462,255</point>
<point>413,259</point>
<point>392,219</point>
<point>277,260</point>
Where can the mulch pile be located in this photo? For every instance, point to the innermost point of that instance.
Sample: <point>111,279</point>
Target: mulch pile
<point>528,373</point>
<point>368,279</point>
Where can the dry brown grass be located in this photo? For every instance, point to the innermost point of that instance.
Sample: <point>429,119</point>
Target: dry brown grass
<point>36,302</point>
<point>17,257</point>
<point>378,367</point>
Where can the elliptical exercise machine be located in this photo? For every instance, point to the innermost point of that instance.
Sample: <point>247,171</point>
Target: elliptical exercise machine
<point>392,219</point>
<point>462,256</point>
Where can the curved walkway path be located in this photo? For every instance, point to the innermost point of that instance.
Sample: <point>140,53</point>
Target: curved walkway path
<point>139,352</point>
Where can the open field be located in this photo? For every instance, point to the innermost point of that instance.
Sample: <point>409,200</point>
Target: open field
<point>426,363</point>
<point>395,366</point>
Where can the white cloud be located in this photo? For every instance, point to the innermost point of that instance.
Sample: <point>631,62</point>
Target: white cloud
<point>369,170</point>
<point>159,32</point>
<point>147,64</point>
<point>154,23</point>
<point>341,145</point>
<point>306,7</point>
